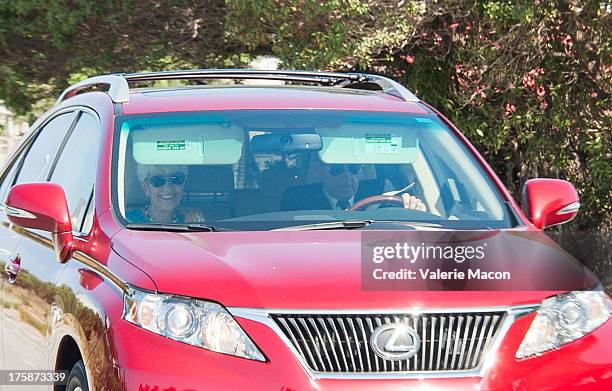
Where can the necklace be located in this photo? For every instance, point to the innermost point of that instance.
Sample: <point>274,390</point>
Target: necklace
<point>148,219</point>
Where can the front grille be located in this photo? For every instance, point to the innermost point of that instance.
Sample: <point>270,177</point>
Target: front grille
<point>341,343</point>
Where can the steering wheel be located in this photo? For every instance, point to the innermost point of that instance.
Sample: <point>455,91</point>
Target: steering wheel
<point>377,199</point>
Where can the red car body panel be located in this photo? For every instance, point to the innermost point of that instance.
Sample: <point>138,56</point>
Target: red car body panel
<point>252,98</point>
<point>273,270</point>
<point>581,365</point>
<point>270,270</point>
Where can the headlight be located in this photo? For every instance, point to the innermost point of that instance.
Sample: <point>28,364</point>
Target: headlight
<point>564,318</point>
<point>195,322</point>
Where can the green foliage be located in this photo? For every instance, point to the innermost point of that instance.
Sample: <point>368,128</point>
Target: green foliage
<point>44,44</point>
<point>528,81</point>
<point>315,34</point>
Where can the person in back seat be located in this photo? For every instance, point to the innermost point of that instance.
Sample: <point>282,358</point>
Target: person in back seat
<point>339,189</point>
<point>163,186</point>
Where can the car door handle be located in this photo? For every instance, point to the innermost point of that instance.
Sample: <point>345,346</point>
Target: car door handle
<point>12,269</point>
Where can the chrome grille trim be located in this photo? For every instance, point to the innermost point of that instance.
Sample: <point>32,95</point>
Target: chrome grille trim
<point>371,328</point>
<point>358,345</point>
<point>314,326</point>
<point>374,326</point>
<point>331,322</point>
<point>315,346</point>
<point>448,342</point>
<point>361,325</point>
<point>440,337</point>
<point>472,340</point>
<point>348,342</point>
<point>487,319</point>
<point>481,364</point>
<point>432,330</point>
<point>329,336</point>
<point>453,350</point>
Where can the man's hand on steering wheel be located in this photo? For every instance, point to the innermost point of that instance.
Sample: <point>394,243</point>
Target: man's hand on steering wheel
<point>413,202</point>
<point>405,200</point>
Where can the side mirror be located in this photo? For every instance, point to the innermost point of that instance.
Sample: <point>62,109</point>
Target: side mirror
<point>43,206</point>
<point>549,202</point>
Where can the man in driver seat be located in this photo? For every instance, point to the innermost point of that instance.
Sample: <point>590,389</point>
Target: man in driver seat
<point>339,189</point>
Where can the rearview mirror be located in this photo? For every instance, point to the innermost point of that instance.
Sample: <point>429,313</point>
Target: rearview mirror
<point>286,142</point>
<point>549,202</point>
<point>42,206</point>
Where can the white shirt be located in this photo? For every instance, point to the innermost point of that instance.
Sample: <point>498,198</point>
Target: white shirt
<point>334,202</point>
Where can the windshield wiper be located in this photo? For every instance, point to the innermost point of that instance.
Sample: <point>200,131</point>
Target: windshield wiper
<point>195,227</point>
<point>328,225</point>
<point>414,224</point>
<point>357,224</point>
<point>345,224</point>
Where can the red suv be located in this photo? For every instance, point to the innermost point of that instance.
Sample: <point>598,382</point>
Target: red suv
<point>232,236</point>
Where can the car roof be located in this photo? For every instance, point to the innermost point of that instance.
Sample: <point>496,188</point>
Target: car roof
<point>199,98</point>
<point>290,89</point>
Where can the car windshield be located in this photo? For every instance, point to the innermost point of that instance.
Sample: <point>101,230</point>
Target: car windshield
<point>278,169</point>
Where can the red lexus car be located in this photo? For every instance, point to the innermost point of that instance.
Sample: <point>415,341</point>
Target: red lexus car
<point>214,236</point>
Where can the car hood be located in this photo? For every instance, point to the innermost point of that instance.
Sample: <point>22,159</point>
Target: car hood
<point>294,270</point>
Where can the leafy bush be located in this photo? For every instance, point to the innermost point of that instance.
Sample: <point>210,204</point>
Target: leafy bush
<point>528,82</point>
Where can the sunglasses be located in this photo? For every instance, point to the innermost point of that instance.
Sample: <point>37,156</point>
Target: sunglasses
<point>338,169</point>
<point>161,180</point>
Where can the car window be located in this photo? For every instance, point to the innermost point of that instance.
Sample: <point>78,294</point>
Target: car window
<point>42,152</point>
<point>88,219</point>
<point>7,181</point>
<point>264,169</point>
<point>75,169</point>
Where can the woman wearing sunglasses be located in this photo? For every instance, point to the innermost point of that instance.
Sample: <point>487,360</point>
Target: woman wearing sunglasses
<point>163,187</point>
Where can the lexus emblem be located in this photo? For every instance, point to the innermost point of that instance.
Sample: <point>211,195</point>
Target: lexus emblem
<point>395,341</point>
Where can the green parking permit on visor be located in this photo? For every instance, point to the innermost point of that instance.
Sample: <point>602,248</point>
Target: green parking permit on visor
<point>386,145</point>
<point>174,145</point>
<point>188,144</point>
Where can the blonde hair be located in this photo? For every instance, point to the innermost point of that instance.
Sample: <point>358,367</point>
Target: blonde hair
<point>145,171</point>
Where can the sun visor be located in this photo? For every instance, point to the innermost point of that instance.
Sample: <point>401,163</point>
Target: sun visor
<point>388,144</point>
<point>190,144</point>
